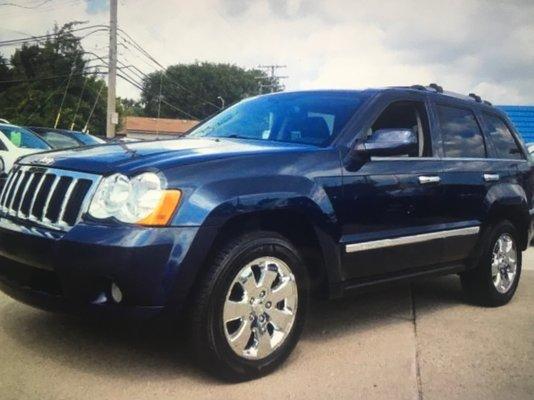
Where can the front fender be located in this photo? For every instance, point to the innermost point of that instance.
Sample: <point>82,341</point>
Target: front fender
<point>217,202</point>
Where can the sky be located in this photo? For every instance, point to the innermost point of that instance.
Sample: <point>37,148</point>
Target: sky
<point>483,46</point>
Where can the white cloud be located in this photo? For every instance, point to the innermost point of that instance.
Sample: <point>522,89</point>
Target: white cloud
<point>466,46</point>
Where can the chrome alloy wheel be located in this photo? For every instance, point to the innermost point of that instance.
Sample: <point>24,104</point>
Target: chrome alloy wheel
<point>260,308</point>
<point>504,263</point>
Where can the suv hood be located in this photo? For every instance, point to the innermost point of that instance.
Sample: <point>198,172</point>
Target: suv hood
<point>160,154</point>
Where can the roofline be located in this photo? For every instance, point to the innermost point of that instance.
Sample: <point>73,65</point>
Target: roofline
<point>434,90</point>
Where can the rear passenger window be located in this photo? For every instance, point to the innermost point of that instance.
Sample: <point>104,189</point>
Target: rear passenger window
<point>460,133</point>
<point>501,137</point>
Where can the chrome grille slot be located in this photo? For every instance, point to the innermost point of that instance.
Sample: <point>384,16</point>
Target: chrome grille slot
<point>45,196</point>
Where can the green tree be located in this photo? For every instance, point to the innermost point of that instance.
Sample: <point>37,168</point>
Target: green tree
<point>196,90</point>
<point>33,84</point>
<point>5,73</point>
<point>127,107</point>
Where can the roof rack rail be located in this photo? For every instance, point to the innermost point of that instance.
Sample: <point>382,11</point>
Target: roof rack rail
<point>436,87</point>
<point>477,98</point>
<point>488,103</point>
<point>418,87</point>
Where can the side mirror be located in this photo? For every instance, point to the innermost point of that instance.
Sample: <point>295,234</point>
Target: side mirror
<point>3,175</point>
<point>389,142</point>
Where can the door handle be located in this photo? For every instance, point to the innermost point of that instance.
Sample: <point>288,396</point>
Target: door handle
<point>491,177</point>
<point>425,180</point>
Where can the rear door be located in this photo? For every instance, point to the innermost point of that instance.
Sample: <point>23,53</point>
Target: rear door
<point>510,169</point>
<point>465,166</point>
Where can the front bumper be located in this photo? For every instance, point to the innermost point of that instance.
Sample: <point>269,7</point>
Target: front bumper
<point>73,271</point>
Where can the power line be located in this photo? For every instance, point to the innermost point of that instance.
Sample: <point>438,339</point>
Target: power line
<point>137,85</point>
<point>139,48</point>
<point>179,109</point>
<point>39,38</point>
<point>41,106</point>
<point>64,95</point>
<point>44,78</point>
<point>26,7</point>
<point>160,99</point>
<point>93,108</point>
<point>78,105</point>
<point>46,8</point>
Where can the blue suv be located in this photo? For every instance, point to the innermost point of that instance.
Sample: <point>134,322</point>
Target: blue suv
<point>273,200</point>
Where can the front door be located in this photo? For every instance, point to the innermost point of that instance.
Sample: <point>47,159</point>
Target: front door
<point>391,204</point>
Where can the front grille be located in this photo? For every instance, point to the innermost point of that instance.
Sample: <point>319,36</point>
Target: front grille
<point>50,197</point>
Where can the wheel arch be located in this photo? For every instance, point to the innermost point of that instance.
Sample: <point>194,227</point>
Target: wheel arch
<point>313,240</point>
<point>513,209</point>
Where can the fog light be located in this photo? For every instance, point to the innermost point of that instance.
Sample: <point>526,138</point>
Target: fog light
<point>116,293</point>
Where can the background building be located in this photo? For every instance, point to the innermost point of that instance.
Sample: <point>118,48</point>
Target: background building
<point>152,128</point>
<point>523,120</point>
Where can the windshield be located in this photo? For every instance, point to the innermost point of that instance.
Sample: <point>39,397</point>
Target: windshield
<point>23,138</point>
<point>59,140</point>
<point>305,117</point>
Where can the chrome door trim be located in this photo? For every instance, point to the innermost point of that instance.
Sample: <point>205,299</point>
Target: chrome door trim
<point>403,240</point>
<point>395,158</point>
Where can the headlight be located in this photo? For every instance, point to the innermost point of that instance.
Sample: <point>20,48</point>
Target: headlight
<point>140,200</point>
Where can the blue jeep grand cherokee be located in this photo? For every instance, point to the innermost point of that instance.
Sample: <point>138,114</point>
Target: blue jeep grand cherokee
<point>272,200</point>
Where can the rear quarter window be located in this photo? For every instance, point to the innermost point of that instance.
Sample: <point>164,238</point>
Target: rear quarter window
<point>460,133</point>
<point>502,139</point>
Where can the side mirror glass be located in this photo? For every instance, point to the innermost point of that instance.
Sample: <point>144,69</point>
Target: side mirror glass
<point>389,142</point>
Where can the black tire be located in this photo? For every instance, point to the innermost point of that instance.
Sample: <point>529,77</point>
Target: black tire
<point>478,282</point>
<point>207,335</point>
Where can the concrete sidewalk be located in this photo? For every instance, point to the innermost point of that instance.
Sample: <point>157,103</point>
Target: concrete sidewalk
<point>410,342</point>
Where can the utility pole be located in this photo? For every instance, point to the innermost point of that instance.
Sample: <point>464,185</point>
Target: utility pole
<point>112,118</point>
<point>272,76</point>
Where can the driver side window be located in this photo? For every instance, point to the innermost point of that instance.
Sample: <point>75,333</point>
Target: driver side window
<point>404,115</point>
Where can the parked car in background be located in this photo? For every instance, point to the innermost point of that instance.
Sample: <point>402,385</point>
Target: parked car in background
<point>124,139</point>
<point>268,202</point>
<point>62,138</point>
<point>16,141</point>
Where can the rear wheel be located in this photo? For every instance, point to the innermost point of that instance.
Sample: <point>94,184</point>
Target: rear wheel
<point>494,281</point>
<point>249,309</point>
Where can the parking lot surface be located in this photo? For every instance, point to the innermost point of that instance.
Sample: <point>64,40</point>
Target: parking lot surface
<point>420,341</point>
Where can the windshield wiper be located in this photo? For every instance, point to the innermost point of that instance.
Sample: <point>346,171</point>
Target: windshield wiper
<point>234,136</point>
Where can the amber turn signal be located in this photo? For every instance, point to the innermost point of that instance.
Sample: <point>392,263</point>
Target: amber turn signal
<point>164,211</point>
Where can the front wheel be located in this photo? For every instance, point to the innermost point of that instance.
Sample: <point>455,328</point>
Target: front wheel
<point>494,281</point>
<point>250,307</point>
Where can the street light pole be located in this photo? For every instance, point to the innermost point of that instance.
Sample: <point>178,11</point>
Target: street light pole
<point>112,118</point>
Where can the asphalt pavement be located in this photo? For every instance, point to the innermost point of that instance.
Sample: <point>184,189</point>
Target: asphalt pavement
<point>419,341</point>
